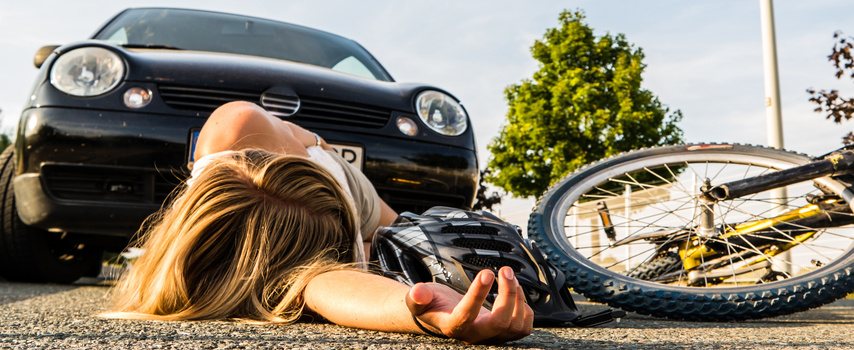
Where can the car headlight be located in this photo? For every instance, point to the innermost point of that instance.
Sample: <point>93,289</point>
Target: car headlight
<point>88,71</point>
<point>441,113</point>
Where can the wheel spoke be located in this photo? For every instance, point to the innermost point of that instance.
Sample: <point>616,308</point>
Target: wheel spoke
<point>663,201</point>
<point>661,240</point>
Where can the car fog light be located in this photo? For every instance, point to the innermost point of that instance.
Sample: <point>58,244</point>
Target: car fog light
<point>137,97</point>
<point>407,126</point>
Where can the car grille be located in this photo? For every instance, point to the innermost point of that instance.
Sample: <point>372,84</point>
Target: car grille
<point>340,113</point>
<point>111,184</point>
<point>202,99</point>
<point>316,110</point>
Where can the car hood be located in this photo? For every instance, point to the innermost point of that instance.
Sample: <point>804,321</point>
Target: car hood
<point>207,69</point>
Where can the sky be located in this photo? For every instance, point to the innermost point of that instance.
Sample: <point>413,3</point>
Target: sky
<point>703,57</point>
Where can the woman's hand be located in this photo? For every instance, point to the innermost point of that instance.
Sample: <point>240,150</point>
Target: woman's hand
<point>463,317</point>
<point>357,299</point>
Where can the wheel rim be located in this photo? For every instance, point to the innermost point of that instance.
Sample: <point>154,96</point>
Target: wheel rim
<point>662,195</point>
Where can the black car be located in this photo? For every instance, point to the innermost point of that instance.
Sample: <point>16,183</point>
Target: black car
<point>109,129</point>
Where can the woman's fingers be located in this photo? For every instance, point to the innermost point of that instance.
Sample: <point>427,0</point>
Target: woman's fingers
<point>509,311</point>
<point>529,321</point>
<point>523,318</point>
<point>469,307</point>
<point>518,322</point>
<point>505,303</point>
<point>418,298</point>
<point>510,319</point>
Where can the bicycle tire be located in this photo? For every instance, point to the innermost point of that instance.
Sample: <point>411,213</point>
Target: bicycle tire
<point>588,273</point>
<point>657,267</point>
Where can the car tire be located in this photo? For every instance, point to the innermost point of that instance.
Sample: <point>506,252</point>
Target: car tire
<point>29,254</point>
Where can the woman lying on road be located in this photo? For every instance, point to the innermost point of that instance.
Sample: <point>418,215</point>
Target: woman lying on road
<point>271,227</point>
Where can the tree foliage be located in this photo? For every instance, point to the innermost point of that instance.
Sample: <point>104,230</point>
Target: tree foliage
<point>4,139</point>
<point>484,201</point>
<point>838,108</point>
<point>585,103</point>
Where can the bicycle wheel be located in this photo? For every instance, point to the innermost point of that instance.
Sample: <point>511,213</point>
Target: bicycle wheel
<point>628,231</point>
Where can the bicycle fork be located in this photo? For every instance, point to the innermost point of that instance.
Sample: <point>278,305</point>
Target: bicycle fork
<point>753,243</point>
<point>768,237</point>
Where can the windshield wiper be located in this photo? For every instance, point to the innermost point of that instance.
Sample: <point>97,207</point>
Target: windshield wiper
<point>150,46</point>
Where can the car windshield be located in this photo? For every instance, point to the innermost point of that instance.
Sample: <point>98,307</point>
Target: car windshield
<point>220,32</point>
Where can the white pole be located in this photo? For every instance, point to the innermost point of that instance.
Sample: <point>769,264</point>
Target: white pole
<point>628,207</point>
<point>772,102</point>
<point>772,79</point>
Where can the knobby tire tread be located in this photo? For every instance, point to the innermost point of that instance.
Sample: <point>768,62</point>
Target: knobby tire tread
<point>657,267</point>
<point>712,304</point>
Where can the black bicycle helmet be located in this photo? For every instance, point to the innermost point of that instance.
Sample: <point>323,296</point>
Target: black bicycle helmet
<point>450,246</point>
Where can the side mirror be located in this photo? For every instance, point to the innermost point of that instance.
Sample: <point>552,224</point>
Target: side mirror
<point>42,54</point>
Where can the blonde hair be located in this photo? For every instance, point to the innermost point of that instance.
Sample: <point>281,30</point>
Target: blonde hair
<point>242,242</point>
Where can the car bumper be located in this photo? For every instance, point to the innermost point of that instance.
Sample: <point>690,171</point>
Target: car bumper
<point>36,207</point>
<point>104,172</point>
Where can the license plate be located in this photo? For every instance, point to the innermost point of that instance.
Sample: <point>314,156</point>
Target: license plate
<point>194,136</point>
<point>352,154</point>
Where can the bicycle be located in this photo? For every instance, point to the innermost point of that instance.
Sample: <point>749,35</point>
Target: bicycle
<point>708,232</point>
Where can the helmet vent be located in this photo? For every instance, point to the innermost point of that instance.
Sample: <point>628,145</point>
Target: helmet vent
<point>491,262</point>
<point>389,257</point>
<point>485,244</point>
<point>471,229</point>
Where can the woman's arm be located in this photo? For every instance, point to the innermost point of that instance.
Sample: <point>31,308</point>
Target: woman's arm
<point>361,300</point>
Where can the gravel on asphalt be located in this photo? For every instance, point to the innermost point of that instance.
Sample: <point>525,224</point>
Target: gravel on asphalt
<point>36,316</point>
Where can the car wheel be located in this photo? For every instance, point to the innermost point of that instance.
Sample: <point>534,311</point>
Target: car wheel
<point>30,254</point>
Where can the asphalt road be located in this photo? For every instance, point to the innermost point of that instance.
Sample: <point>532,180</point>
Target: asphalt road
<point>63,317</point>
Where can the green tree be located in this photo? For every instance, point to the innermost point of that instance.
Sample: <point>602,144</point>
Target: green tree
<point>4,139</point>
<point>482,200</point>
<point>4,142</point>
<point>585,103</point>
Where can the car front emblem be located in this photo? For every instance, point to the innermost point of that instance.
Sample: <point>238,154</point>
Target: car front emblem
<point>280,102</point>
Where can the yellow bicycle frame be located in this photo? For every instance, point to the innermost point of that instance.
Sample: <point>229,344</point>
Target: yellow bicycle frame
<point>693,252</point>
